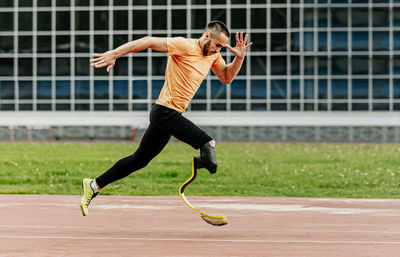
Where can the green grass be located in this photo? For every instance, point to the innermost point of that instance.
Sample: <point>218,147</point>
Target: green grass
<point>301,170</point>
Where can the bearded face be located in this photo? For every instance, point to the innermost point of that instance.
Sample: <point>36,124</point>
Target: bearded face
<point>206,47</point>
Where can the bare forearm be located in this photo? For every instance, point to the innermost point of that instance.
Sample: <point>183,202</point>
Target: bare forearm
<point>132,47</point>
<point>233,69</point>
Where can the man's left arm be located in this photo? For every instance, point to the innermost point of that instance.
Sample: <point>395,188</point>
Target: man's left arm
<point>227,73</point>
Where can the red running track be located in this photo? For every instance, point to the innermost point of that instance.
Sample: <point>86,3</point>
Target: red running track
<point>49,225</point>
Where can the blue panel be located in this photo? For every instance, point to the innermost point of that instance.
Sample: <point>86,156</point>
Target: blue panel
<point>139,89</point>
<point>309,89</point>
<point>295,89</point>
<point>120,89</point>
<point>360,89</point>
<point>43,90</point>
<point>360,41</point>
<point>396,88</point>
<point>322,89</point>
<point>218,90</point>
<point>82,89</point>
<point>278,89</point>
<point>25,90</point>
<point>258,89</point>
<point>396,41</point>
<point>322,17</point>
<point>339,89</point>
<point>101,89</point>
<point>7,90</point>
<point>63,89</point>
<point>380,88</point>
<point>156,88</point>
<point>339,41</point>
<point>380,41</point>
<point>308,41</point>
<point>322,41</point>
<point>238,89</point>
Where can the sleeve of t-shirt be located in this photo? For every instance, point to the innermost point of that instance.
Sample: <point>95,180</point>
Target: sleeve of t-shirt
<point>218,62</point>
<point>177,45</point>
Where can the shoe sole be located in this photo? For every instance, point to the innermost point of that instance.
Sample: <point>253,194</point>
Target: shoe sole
<point>82,194</point>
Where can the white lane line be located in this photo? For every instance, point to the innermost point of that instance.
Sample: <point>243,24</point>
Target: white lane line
<point>206,240</point>
<point>204,229</point>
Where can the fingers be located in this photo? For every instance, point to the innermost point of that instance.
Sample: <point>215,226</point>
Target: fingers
<point>245,39</point>
<point>97,55</point>
<point>237,37</point>
<point>249,45</point>
<point>109,67</point>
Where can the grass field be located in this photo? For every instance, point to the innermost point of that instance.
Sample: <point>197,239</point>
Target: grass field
<point>304,170</point>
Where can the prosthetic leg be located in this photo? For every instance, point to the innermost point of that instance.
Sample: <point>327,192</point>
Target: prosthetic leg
<point>210,219</point>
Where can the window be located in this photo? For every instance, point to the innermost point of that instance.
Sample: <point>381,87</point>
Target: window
<point>63,89</point>
<point>359,17</point>
<point>339,41</point>
<point>278,89</point>
<point>82,89</point>
<point>278,42</point>
<point>258,18</point>
<point>101,89</point>
<point>360,41</point>
<point>120,20</point>
<point>380,41</point>
<point>43,21</point>
<point>238,89</point>
<point>7,90</point>
<point>339,89</point>
<point>380,17</point>
<point>43,90</point>
<point>359,89</point>
<point>278,18</point>
<point>82,20</point>
<point>339,17</point>
<point>24,21</point>
<point>120,89</point>
<point>43,66</point>
<point>360,65</point>
<point>339,65</point>
<point>139,89</point>
<point>278,65</point>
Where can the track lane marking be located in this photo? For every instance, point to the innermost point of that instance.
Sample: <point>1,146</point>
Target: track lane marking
<point>205,240</point>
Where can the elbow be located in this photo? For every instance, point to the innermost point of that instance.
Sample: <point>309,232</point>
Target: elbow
<point>147,41</point>
<point>227,81</point>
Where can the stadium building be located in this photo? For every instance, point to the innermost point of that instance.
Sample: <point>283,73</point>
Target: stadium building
<point>318,70</point>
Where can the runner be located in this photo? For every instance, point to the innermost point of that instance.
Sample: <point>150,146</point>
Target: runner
<point>188,64</point>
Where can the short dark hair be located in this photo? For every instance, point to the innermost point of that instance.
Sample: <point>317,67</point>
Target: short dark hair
<point>217,27</point>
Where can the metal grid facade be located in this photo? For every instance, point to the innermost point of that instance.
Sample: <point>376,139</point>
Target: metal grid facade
<point>308,55</point>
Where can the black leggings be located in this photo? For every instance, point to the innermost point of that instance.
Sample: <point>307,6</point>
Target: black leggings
<point>164,122</point>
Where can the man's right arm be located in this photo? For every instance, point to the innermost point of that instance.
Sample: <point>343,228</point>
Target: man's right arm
<point>108,58</point>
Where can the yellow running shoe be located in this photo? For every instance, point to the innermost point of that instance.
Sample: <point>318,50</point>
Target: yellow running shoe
<point>87,195</point>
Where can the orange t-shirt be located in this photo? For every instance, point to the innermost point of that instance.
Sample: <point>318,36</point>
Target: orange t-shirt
<point>186,69</point>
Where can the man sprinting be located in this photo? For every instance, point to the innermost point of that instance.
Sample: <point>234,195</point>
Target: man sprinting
<point>188,64</point>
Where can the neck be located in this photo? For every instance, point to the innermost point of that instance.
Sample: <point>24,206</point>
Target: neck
<point>201,42</point>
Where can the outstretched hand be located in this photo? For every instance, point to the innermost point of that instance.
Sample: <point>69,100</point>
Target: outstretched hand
<point>240,49</point>
<point>104,60</point>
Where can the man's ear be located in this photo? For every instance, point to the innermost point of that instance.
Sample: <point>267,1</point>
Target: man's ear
<point>207,35</point>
